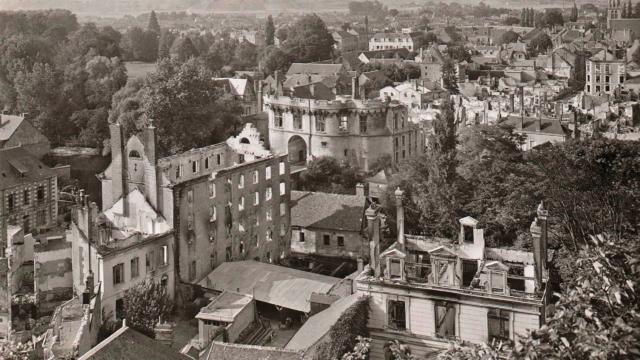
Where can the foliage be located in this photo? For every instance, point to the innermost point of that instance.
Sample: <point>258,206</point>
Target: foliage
<point>17,351</point>
<point>140,45</point>
<point>327,174</point>
<point>144,304</point>
<point>551,18</point>
<point>511,20</point>
<point>273,58</point>
<point>309,40</point>
<point>270,31</point>
<point>370,8</point>
<point>574,13</point>
<point>342,335</point>
<point>164,46</point>
<point>183,49</point>
<point>425,39</point>
<point>395,72</point>
<point>449,77</point>
<point>459,53</point>
<point>509,37</point>
<point>360,349</point>
<point>395,350</point>
<point>154,25</point>
<point>540,44</point>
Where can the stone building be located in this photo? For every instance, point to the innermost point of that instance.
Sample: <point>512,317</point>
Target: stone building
<point>225,202</point>
<point>426,292</point>
<point>538,130</point>
<point>350,129</point>
<point>605,73</point>
<point>28,189</point>
<point>17,130</point>
<point>385,41</point>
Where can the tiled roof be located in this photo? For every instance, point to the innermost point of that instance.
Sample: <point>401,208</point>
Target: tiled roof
<point>219,351</point>
<point>8,125</point>
<point>225,307</point>
<point>128,344</point>
<point>604,55</point>
<point>18,166</point>
<point>392,36</point>
<point>547,126</point>
<point>319,324</point>
<point>273,284</point>
<point>327,211</point>
<point>318,69</point>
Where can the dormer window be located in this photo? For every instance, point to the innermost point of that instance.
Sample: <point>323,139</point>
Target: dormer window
<point>134,154</point>
<point>395,269</point>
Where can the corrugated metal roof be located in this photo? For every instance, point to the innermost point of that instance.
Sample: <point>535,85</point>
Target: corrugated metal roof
<point>273,284</point>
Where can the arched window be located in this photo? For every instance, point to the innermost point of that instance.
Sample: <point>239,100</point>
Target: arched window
<point>134,154</point>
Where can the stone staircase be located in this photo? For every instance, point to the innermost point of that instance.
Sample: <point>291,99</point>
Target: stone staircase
<point>259,334</point>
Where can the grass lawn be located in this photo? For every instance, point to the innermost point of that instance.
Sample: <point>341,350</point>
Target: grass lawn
<point>138,69</point>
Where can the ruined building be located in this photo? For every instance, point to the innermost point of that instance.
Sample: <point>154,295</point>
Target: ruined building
<point>426,291</point>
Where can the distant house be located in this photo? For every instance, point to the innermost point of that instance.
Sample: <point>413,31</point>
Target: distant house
<point>17,130</point>
<point>605,73</point>
<point>384,41</point>
<point>538,131</point>
<point>344,41</point>
<point>328,224</point>
<point>243,91</point>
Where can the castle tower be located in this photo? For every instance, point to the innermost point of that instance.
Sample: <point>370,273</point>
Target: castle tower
<point>614,11</point>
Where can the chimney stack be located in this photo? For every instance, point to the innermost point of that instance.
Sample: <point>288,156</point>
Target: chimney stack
<point>373,227</point>
<point>400,216</point>
<point>539,234</point>
<point>276,77</point>
<point>512,102</point>
<point>354,87</point>
<point>260,100</point>
<point>150,170</point>
<point>360,190</point>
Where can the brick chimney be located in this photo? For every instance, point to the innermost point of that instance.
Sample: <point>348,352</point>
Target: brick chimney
<point>163,332</point>
<point>539,234</point>
<point>373,227</point>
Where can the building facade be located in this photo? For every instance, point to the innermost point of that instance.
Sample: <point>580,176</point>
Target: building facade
<point>29,192</point>
<point>605,73</point>
<point>225,202</point>
<point>385,41</point>
<point>426,292</point>
<point>349,129</point>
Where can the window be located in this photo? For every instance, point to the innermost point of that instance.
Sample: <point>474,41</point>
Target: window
<point>597,78</point>
<point>324,144</point>
<point>256,198</point>
<point>268,194</point>
<point>135,267</point>
<point>267,172</point>
<point>212,189</point>
<point>346,152</point>
<point>255,176</point>
<point>26,224</point>
<point>118,274</point>
<point>397,315</point>
<point>326,239</point>
<point>445,319</point>
<point>268,215</point>
<point>363,124</point>
<point>218,159</point>
<point>269,235</point>
<point>192,270</point>
<point>240,158</point>
<point>340,240</point>
<point>301,236</point>
<point>195,166</point>
<point>621,79</point>
<point>283,209</point>
<point>149,260</point>
<point>297,121</point>
<point>283,188</point>
<point>228,254</point>
<point>497,279</point>
<point>607,79</point>
<point>206,163</point>
<point>41,217</point>
<point>40,194</point>
<point>283,229</point>
<point>165,255</point>
<point>606,88</point>
<point>190,196</point>
<point>277,120</point>
<point>10,202</point>
<point>498,321</point>
<point>395,269</point>
<point>320,123</point>
<point>469,269</point>
<point>344,123</point>
<point>241,203</point>
<point>179,171</point>
<point>282,168</point>
<point>26,197</point>
<point>444,269</point>
<point>241,182</point>
<point>120,309</point>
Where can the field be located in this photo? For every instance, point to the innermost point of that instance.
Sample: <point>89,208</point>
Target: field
<point>138,69</point>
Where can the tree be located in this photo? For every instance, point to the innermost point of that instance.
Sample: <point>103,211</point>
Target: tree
<point>273,58</point>
<point>574,13</point>
<point>512,20</point>
<point>309,40</point>
<point>551,18</point>
<point>509,37</point>
<point>270,31</point>
<point>394,12</point>
<point>144,304</point>
<point>183,49</point>
<point>541,43</point>
<point>246,56</point>
<point>360,349</point>
<point>141,45</point>
<point>637,10</point>
<point>154,26</point>
<point>449,77</point>
<point>441,202</point>
<point>166,41</point>
<point>327,174</point>
<point>630,9</point>
<point>623,13</point>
